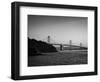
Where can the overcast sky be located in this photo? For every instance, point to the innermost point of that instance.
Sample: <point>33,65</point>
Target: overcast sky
<point>60,29</point>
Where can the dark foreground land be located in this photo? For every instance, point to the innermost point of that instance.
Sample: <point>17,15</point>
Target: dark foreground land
<point>69,57</point>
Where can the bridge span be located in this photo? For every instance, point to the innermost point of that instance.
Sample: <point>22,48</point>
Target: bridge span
<point>62,46</point>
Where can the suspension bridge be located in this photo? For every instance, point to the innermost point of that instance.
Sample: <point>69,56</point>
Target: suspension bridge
<point>63,46</point>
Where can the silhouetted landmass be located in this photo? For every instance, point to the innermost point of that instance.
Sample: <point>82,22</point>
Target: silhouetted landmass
<point>38,47</point>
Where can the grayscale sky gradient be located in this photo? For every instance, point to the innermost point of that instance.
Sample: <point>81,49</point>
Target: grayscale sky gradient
<point>60,29</point>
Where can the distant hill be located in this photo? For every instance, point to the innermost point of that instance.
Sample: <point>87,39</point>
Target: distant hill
<point>38,47</point>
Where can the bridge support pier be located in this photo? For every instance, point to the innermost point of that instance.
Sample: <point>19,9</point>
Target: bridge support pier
<point>61,47</point>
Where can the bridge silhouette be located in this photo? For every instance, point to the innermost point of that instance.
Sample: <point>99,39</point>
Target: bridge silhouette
<point>62,46</point>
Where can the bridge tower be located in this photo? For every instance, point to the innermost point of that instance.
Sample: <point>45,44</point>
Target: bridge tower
<point>48,39</point>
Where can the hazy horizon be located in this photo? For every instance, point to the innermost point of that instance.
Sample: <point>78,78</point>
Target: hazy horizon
<point>60,29</point>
